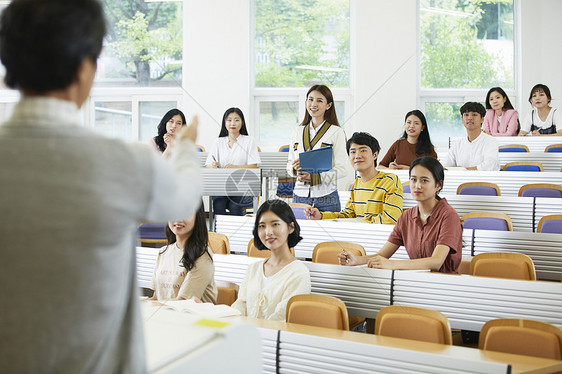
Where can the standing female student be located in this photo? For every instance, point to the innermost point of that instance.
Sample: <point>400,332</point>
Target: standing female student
<point>168,127</point>
<point>233,149</point>
<point>430,231</point>
<point>269,284</point>
<point>414,143</point>
<point>184,268</point>
<point>319,128</point>
<point>501,118</point>
<point>543,120</point>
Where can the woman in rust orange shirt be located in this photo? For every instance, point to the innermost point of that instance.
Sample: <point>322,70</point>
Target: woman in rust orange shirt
<point>430,231</point>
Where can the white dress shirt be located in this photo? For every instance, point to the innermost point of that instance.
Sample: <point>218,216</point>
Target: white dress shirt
<point>482,152</point>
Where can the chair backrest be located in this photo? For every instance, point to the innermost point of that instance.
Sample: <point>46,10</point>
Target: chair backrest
<point>513,148</point>
<point>550,224</point>
<point>327,252</point>
<point>200,148</point>
<point>318,310</point>
<point>487,221</point>
<point>553,148</point>
<point>523,166</point>
<point>285,187</point>
<point>264,253</point>
<point>298,209</point>
<point>541,190</point>
<point>479,188</point>
<point>406,188</point>
<point>227,293</point>
<point>503,265</point>
<point>349,185</point>
<point>259,149</point>
<point>414,323</point>
<point>219,243</point>
<point>522,337</point>
<point>152,233</point>
<point>284,148</point>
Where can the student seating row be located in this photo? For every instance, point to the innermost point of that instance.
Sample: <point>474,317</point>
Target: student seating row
<point>467,301</point>
<point>544,249</point>
<point>549,161</point>
<point>553,148</point>
<point>534,143</point>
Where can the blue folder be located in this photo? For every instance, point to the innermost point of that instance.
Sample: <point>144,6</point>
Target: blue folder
<point>316,161</point>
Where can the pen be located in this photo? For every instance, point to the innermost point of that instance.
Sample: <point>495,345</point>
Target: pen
<point>214,159</point>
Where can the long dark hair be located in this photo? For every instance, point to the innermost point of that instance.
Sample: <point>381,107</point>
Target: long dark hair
<point>224,130</point>
<point>330,114</point>
<point>283,211</point>
<point>196,244</point>
<point>507,105</point>
<point>424,145</point>
<point>159,139</point>
<point>434,167</point>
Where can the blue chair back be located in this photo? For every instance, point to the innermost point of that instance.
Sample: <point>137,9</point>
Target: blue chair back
<point>485,223</point>
<point>541,192</point>
<point>513,149</point>
<point>522,168</point>
<point>299,213</point>
<point>557,148</point>
<point>553,226</point>
<point>478,190</point>
<point>406,188</point>
<point>285,189</point>
<point>152,231</point>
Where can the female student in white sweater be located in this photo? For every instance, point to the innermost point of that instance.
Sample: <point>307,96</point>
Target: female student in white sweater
<point>184,268</point>
<point>269,284</point>
<point>319,128</point>
<point>233,149</point>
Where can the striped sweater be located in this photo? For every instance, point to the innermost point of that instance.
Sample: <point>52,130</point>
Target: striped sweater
<point>376,201</point>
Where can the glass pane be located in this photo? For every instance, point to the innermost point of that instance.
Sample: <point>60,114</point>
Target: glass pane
<point>151,112</point>
<point>277,119</point>
<point>6,110</point>
<point>299,43</point>
<point>466,44</point>
<point>340,112</point>
<point>143,46</point>
<point>114,119</point>
<point>444,121</point>
<point>2,69</point>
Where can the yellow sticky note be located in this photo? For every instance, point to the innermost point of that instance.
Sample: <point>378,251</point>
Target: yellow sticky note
<point>211,323</point>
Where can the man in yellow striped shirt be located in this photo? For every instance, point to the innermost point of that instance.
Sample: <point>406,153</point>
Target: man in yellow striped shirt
<point>376,196</point>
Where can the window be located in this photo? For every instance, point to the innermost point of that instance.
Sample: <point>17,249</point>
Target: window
<point>465,49</point>
<point>296,44</point>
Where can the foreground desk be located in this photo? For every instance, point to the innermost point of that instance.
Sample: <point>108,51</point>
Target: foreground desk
<point>181,343</point>
<point>297,349</point>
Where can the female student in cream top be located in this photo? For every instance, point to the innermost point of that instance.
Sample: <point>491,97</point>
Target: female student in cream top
<point>269,284</point>
<point>414,143</point>
<point>543,120</point>
<point>184,268</point>
<point>168,127</point>
<point>319,128</point>
<point>430,231</point>
<point>500,118</point>
<point>233,149</point>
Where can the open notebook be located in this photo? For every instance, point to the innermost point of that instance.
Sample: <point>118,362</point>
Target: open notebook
<point>207,310</point>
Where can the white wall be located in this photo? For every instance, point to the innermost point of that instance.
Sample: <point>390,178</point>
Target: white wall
<point>216,73</point>
<point>541,50</point>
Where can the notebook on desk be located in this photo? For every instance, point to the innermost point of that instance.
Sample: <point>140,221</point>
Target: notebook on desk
<point>317,160</point>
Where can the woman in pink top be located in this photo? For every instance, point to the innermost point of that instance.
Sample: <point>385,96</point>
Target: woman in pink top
<point>431,232</point>
<point>500,119</point>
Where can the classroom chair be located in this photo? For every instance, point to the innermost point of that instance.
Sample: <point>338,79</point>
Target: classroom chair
<point>327,252</point>
<point>406,188</point>
<point>479,188</point>
<point>284,148</point>
<point>550,224</point>
<point>317,310</point>
<point>298,209</point>
<point>513,148</point>
<point>414,323</point>
<point>522,337</point>
<point>200,148</point>
<point>553,148</point>
<point>151,233</point>
<point>541,190</point>
<point>503,265</point>
<point>227,293</point>
<point>487,221</point>
<point>348,185</point>
<point>265,253</point>
<point>523,166</point>
<point>285,187</point>
<point>219,243</point>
